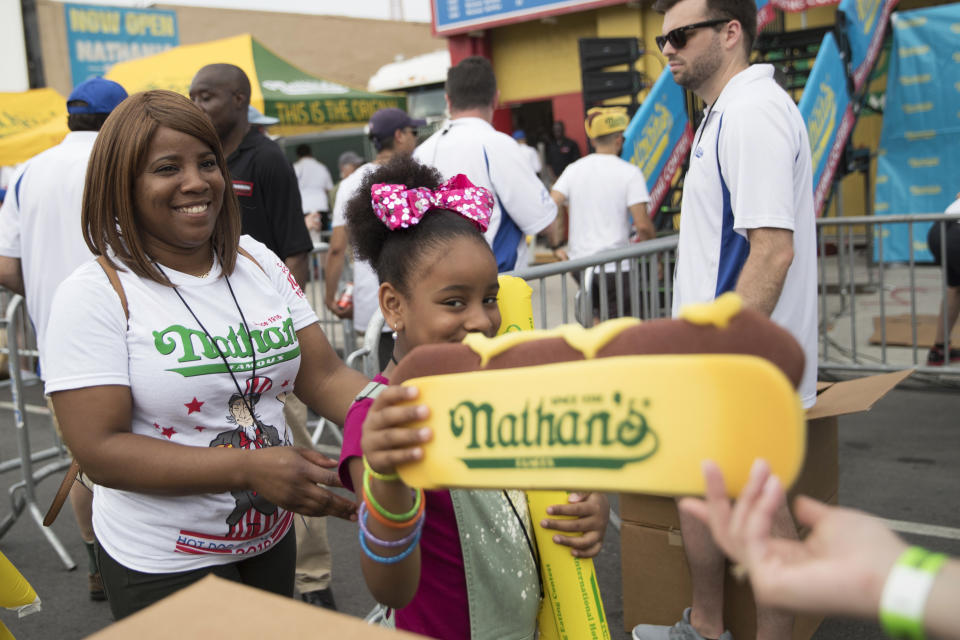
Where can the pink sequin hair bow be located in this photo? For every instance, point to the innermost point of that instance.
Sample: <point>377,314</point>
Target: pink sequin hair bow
<point>400,208</point>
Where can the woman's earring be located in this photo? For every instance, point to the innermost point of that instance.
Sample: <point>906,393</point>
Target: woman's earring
<point>395,329</point>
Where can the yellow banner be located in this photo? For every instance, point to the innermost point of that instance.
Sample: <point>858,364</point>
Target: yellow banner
<point>29,123</point>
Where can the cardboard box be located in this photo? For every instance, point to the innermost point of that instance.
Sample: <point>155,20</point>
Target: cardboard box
<point>218,608</point>
<point>656,579</point>
<point>899,330</point>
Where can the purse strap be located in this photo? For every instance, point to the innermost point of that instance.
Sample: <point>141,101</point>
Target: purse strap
<point>71,476</point>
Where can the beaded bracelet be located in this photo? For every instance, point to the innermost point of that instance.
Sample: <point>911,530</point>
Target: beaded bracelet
<point>905,592</point>
<point>386,477</point>
<point>365,515</point>
<point>389,559</point>
<point>389,518</point>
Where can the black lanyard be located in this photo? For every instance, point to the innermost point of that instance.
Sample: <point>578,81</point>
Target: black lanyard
<point>253,353</point>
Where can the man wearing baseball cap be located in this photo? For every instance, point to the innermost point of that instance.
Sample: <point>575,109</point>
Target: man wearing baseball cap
<point>41,241</point>
<point>392,132</point>
<point>603,195</point>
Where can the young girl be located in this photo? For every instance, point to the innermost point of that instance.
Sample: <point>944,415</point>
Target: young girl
<point>454,564</point>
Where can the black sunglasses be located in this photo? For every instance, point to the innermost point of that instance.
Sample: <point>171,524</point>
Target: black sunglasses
<point>678,37</point>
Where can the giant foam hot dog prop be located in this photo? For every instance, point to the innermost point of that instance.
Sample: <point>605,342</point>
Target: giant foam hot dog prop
<point>624,406</point>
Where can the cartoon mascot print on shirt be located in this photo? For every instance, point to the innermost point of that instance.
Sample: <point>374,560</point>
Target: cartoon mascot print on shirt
<point>253,514</point>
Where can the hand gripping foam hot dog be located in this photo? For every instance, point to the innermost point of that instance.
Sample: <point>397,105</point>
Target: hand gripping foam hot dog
<point>624,406</point>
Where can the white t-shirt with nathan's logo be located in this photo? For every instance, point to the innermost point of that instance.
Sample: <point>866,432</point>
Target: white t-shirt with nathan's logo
<point>182,394</point>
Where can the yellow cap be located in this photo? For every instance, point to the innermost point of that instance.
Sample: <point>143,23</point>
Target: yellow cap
<point>603,120</point>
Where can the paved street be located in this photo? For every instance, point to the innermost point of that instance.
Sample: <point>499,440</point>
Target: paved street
<point>900,461</point>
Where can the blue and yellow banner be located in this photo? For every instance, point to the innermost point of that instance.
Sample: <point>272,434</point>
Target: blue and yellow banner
<point>866,23</point>
<point>919,151</point>
<point>826,109</point>
<point>99,37</point>
<point>658,137</point>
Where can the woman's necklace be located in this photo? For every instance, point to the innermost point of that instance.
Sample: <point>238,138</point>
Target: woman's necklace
<point>253,353</point>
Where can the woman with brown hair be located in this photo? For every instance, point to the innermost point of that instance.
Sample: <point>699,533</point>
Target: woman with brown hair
<point>170,361</point>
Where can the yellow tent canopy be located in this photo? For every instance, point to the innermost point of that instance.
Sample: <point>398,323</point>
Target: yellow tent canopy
<point>300,101</point>
<point>30,122</point>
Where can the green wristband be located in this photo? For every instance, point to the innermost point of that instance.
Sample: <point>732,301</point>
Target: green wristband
<point>395,517</point>
<point>905,592</point>
<point>386,477</point>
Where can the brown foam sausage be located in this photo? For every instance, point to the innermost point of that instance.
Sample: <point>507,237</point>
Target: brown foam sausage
<point>749,332</point>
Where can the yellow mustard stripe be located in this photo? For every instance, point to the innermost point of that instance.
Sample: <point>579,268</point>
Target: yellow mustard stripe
<point>586,341</point>
<point>718,313</point>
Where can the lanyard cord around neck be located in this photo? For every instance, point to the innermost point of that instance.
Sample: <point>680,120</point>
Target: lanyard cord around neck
<point>223,357</point>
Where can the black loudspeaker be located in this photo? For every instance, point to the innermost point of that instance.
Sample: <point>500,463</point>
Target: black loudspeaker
<point>597,54</point>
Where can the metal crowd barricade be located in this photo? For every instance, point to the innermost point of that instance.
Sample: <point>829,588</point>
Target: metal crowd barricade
<point>647,294</point>
<point>856,281</point>
<point>340,333</point>
<point>20,350</point>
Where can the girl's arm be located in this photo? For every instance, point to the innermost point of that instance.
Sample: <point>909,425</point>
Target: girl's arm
<point>96,426</point>
<point>386,445</point>
<point>324,383</point>
<point>592,513</point>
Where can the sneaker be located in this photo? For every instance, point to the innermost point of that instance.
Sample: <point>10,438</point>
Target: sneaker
<point>937,358</point>
<point>95,585</point>
<point>320,598</point>
<point>683,630</point>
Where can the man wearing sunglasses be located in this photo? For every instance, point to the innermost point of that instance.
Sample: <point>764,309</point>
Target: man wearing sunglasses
<point>747,225</point>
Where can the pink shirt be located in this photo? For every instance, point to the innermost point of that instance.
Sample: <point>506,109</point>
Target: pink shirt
<point>440,608</point>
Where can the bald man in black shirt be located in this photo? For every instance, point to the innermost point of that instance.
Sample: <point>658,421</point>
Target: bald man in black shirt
<point>263,180</point>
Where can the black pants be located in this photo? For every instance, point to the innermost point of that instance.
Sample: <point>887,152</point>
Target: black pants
<point>129,591</point>
<point>953,249</point>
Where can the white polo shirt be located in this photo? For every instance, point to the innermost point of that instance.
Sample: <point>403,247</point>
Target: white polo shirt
<point>599,189</point>
<point>493,160</point>
<point>40,222</point>
<point>749,169</point>
<point>366,284</point>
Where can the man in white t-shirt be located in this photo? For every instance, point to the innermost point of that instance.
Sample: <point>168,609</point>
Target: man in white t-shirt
<point>41,240</point>
<point>469,144</point>
<point>315,186</point>
<point>603,195</point>
<point>747,225</point>
<point>530,153</point>
<point>392,132</point>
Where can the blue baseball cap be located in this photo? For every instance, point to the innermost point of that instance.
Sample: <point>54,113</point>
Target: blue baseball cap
<point>519,135</point>
<point>101,96</point>
<point>385,121</point>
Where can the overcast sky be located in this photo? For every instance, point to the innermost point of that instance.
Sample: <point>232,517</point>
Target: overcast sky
<point>414,10</point>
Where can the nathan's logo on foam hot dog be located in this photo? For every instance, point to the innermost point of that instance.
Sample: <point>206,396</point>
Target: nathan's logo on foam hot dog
<point>608,431</point>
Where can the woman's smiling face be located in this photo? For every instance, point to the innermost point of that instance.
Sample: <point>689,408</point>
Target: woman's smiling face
<point>178,196</point>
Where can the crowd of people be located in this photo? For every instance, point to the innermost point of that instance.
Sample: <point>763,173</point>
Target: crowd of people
<point>162,249</point>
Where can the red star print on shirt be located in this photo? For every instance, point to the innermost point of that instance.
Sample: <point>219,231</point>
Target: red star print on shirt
<point>168,432</point>
<point>285,383</point>
<point>193,406</point>
<point>200,429</point>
